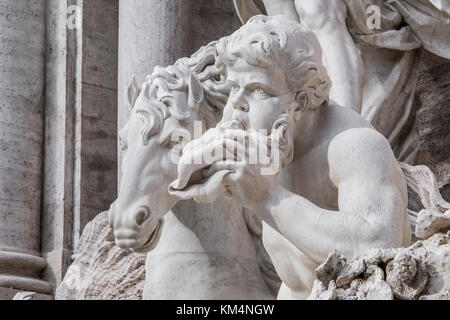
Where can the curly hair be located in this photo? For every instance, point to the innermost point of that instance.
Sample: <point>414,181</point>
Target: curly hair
<point>265,41</point>
<point>175,78</point>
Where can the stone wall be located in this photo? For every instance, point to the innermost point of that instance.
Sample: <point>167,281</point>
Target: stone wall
<point>97,120</point>
<point>22,83</point>
<point>433,118</point>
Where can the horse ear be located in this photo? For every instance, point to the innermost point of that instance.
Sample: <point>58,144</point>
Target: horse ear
<point>133,91</point>
<point>196,93</point>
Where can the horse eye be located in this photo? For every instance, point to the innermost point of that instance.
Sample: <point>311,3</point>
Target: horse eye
<point>176,142</point>
<point>167,102</point>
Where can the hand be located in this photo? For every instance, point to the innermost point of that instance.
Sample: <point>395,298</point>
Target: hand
<point>201,153</point>
<point>198,156</point>
<point>239,175</point>
<point>243,180</point>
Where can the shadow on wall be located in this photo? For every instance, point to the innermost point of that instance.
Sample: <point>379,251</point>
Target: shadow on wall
<point>433,118</point>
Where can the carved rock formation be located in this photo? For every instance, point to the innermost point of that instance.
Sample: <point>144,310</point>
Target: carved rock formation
<point>435,215</point>
<point>101,270</point>
<point>420,272</point>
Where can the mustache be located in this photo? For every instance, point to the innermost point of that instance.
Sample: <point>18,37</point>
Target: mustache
<point>239,124</point>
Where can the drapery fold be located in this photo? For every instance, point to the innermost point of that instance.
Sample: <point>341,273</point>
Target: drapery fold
<point>391,56</point>
<point>405,24</point>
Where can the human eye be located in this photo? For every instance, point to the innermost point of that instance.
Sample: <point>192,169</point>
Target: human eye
<point>260,92</point>
<point>234,89</point>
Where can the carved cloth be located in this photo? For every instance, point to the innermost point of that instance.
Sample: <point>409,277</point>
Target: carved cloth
<point>391,56</point>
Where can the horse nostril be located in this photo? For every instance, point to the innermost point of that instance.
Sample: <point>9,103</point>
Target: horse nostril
<point>141,216</point>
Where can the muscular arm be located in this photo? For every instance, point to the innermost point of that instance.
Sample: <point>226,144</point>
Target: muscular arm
<point>326,18</point>
<point>372,201</point>
<point>281,7</point>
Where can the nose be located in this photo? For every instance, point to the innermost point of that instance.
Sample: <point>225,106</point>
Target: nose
<point>240,103</point>
<point>141,215</point>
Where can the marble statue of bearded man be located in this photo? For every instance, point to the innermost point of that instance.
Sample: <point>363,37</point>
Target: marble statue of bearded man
<point>372,51</point>
<point>341,188</point>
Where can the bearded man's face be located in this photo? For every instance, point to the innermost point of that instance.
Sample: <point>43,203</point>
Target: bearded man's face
<point>258,95</point>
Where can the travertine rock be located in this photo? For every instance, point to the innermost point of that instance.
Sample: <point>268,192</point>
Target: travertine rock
<point>420,272</point>
<point>433,118</point>
<point>101,270</point>
<point>435,215</point>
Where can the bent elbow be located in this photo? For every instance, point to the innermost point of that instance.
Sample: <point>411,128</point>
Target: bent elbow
<point>384,236</point>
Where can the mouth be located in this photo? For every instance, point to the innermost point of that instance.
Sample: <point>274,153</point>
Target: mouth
<point>152,241</point>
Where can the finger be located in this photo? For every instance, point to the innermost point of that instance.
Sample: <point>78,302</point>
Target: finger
<point>223,149</point>
<point>206,192</point>
<point>185,172</point>
<point>200,156</point>
<point>250,140</point>
<point>230,179</point>
<point>210,135</point>
<point>212,189</point>
<point>220,165</point>
<point>237,135</point>
<point>234,151</point>
<point>203,156</point>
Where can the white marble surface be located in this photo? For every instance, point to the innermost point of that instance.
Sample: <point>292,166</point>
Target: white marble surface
<point>347,191</point>
<point>217,241</point>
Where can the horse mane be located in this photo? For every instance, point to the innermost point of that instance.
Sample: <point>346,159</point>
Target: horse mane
<point>175,77</point>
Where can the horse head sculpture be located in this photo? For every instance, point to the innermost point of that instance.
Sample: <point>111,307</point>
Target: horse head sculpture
<point>161,122</point>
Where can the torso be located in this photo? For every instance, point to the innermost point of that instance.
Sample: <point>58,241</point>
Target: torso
<point>309,177</point>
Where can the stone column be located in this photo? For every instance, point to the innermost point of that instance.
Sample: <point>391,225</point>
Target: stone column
<point>80,159</point>
<point>22,79</point>
<point>151,33</point>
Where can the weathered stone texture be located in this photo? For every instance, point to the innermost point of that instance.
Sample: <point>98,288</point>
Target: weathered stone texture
<point>220,18</point>
<point>22,56</point>
<point>101,270</point>
<point>98,128</point>
<point>418,272</point>
<point>433,117</point>
<point>22,82</point>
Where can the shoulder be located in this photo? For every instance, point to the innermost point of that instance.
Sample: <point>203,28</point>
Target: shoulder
<point>360,151</point>
<point>358,140</point>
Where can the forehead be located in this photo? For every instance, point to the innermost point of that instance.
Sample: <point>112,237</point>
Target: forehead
<point>245,74</point>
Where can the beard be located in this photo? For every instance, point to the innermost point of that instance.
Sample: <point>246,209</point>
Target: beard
<point>280,137</point>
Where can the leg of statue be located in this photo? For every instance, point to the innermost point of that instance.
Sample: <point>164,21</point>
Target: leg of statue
<point>326,18</point>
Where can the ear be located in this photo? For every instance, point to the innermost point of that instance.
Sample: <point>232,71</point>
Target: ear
<point>303,103</point>
<point>133,91</point>
<point>196,93</point>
